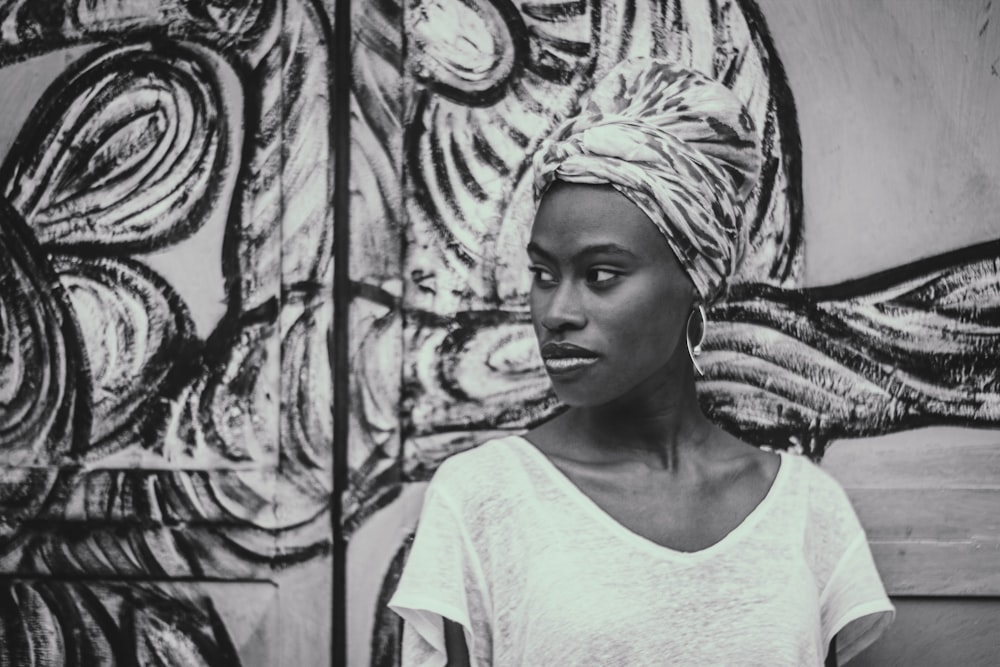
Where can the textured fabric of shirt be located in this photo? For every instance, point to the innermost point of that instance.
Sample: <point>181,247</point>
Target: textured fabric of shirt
<point>538,574</point>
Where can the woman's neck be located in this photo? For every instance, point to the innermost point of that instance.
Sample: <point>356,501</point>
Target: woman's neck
<point>658,422</point>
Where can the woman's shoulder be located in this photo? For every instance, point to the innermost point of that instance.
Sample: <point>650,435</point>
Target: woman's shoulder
<point>830,515</point>
<point>822,489</point>
<point>481,469</point>
<point>486,454</point>
<point>488,489</point>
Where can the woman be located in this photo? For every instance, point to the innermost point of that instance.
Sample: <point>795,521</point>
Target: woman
<point>630,530</point>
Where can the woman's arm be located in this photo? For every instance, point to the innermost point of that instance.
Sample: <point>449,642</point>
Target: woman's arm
<point>454,644</point>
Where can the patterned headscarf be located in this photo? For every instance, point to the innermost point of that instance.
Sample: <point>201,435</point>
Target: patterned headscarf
<point>680,146</point>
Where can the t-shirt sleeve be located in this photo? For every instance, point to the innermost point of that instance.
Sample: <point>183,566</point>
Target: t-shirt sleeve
<point>854,606</point>
<point>442,579</point>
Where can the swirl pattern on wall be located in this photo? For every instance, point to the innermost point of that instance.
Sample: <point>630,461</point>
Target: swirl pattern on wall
<point>56,623</point>
<point>134,327</point>
<point>44,383</point>
<point>29,26</point>
<point>889,352</point>
<point>138,169</point>
<point>205,453</point>
<point>44,377</point>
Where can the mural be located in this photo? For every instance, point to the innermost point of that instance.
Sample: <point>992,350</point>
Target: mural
<point>166,416</point>
<point>167,333</point>
<point>443,139</point>
<point>473,117</point>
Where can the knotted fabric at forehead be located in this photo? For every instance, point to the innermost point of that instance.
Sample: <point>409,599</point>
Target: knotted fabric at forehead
<point>680,146</point>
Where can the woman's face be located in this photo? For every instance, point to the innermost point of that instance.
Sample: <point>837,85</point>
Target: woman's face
<point>609,301</point>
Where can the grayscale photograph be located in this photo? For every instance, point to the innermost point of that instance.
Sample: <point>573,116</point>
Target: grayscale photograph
<point>499,333</point>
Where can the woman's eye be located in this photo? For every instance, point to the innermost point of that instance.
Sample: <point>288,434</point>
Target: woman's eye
<point>601,275</point>
<point>541,275</point>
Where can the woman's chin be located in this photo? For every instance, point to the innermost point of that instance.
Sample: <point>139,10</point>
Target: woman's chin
<point>596,392</point>
<point>580,396</point>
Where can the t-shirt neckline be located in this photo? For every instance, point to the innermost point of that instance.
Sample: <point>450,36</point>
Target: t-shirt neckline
<point>571,491</point>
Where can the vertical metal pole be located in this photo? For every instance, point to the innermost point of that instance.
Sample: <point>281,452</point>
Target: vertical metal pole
<point>341,127</point>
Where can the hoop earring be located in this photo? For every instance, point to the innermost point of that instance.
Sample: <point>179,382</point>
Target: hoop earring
<point>694,349</point>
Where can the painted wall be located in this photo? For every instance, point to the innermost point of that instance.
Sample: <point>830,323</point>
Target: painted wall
<point>901,162</point>
<point>166,311</point>
<point>863,330</point>
<point>894,103</point>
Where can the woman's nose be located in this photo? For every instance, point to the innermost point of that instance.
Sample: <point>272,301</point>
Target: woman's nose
<point>563,309</point>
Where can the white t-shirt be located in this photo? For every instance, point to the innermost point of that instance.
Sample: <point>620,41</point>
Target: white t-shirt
<point>538,574</point>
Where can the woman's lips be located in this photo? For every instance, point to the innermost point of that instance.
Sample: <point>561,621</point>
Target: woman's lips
<point>565,350</point>
<point>561,365</point>
<point>562,357</point>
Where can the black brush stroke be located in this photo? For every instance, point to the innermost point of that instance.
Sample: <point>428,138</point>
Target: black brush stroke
<point>387,633</point>
<point>485,152</point>
<point>552,68</point>
<point>567,46</point>
<point>423,196</point>
<point>555,12</point>
<point>374,495</point>
<point>266,13</point>
<point>199,624</point>
<point>787,116</point>
<point>915,270</point>
<point>464,172</point>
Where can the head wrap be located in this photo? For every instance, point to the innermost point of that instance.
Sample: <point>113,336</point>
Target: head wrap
<point>680,146</point>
